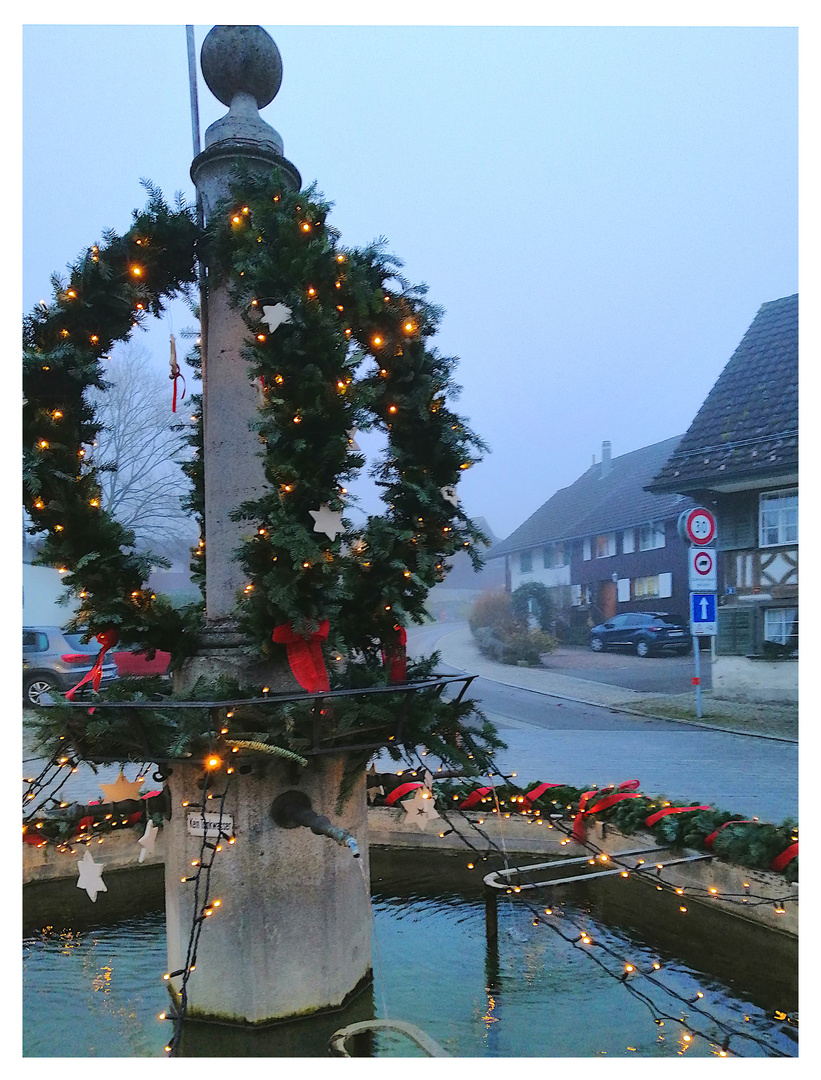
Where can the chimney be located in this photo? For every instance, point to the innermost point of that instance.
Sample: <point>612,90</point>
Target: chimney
<point>605,457</point>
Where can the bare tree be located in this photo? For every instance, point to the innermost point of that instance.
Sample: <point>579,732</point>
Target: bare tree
<point>140,447</point>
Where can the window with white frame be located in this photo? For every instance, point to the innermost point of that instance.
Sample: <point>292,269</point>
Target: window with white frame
<point>665,585</point>
<point>605,545</point>
<point>781,625</point>
<point>645,587</point>
<point>586,548</point>
<point>778,517</point>
<point>651,536</point>
<point>628,541</point>
<point>623,590</point>
<point>526,561</point>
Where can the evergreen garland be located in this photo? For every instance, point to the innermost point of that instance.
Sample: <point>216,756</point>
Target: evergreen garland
<point>110,290</point>
<point>352,356</point>
<point>751,844</point>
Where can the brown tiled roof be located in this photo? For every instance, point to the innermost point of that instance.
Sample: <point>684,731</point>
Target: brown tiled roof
<point>748,424</point>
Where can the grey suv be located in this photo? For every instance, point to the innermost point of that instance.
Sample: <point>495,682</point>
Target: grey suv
<point>54,659</point>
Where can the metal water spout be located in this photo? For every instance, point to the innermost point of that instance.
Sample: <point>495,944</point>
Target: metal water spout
<point>293,809</point>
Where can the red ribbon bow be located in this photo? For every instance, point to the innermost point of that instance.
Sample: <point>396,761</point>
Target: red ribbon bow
<point>305,654</point>
<point>604,801</point>
<point>474,797</point>
<point>108,639</point>
<point>401,790</point>
<point>711,839</point>
<point>786,856</point>
<point>395,658</point>
<point>659,814</point>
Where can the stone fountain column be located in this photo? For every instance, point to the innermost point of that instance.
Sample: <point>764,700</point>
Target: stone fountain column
<point>292,932</point>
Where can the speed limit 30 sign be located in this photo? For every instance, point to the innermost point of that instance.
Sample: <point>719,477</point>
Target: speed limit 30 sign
<point>697,526</point>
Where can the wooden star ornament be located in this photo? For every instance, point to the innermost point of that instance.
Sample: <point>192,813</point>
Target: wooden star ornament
<point>327,521</point>
<point>90,876</point>
<point>377,789</point>
<point>121,789</point>
<point>420,808</point>
<point>275,315</point>
<point>148,840</point>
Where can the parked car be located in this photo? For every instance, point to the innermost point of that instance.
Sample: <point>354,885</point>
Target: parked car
<point>54,659</point>
<point>137,663</point>
<point>646,632</point>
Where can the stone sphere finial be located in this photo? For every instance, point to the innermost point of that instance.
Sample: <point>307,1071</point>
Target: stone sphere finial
<point>241,59</point>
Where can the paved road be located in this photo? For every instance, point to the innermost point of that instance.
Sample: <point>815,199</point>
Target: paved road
<point>653,674</point>
<point>565,741</point>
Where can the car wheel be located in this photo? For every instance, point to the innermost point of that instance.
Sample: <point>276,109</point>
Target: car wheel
<point>642,648</point>
<point>596,644</point>
<point>34,688</point>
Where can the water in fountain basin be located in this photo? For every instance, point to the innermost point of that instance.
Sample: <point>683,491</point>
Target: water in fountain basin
<point>96,991</point>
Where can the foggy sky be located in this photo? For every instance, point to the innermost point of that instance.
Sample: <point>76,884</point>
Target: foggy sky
<point>600,210</point>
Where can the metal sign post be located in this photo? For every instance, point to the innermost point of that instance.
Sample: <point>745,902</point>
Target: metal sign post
<point>697,676</point>
<point>698,527</point>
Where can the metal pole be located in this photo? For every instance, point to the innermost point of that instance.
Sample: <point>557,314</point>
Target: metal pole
<point>195,135</point>
<point>192,86</point>
<point>697,658</point>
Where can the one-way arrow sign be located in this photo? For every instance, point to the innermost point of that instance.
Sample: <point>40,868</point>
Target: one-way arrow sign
<point>703,614</point>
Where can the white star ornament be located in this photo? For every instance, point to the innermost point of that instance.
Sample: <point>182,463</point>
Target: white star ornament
<point>420,808</point>
<point>276,315</point>
<point>147,840</point>
<point>90,876</point>
<point>327,521</point>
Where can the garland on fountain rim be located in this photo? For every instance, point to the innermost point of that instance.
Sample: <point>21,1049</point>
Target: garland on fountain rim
<point>754,844</point>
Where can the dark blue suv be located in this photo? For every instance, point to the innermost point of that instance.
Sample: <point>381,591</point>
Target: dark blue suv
<point>646,632</point>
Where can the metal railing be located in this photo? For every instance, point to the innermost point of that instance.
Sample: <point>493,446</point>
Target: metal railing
<point>321,714</point>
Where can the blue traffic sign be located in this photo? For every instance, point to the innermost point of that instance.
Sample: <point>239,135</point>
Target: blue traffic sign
<point>703,613</point>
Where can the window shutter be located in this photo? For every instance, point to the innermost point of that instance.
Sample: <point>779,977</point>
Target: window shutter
<point>736,631</point>
<point>738,526</point>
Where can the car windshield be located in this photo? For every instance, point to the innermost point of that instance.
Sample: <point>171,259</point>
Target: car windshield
<point>76,642</point>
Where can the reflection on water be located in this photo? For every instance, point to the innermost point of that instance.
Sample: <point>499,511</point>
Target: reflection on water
<point>98,991</point>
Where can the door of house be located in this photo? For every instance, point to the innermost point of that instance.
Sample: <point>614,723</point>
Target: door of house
<point>607,599</point>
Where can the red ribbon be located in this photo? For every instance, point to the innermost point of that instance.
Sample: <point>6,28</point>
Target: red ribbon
<point>108,639</point>
<point>403,789</point>
<point>179,375</point>
<point>395,658</point>
<point>711,839</point>
<point>603,803</point>
<point>305,655</point>
<point>780,861</point>
<point>659,814</point>
<point>539,790</point>
<point>474,797</point>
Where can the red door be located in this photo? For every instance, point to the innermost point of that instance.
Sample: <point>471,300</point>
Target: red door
<point>607,599</point>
